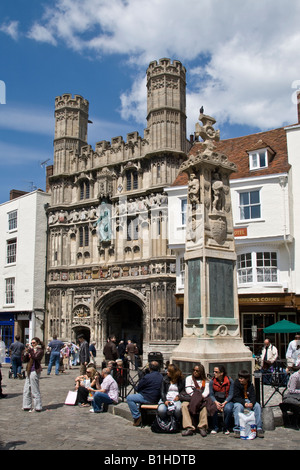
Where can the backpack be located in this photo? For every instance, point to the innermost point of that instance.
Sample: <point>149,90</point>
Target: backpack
<point>168,425</point>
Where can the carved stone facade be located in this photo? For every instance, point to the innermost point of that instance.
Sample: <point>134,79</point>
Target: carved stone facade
<point>109,267</point>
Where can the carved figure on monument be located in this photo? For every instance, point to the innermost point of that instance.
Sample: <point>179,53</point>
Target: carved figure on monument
<point>218,193</point>
<point>193,189</point>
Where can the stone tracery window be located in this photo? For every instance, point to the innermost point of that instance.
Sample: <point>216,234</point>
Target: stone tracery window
<point>84,188</point>
<point>131,180</point>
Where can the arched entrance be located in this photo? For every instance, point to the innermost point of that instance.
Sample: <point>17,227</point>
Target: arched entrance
<point>81,330</point>
<point>125,321</point>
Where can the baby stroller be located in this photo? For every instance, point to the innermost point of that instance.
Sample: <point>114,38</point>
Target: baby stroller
<point>20,376</point>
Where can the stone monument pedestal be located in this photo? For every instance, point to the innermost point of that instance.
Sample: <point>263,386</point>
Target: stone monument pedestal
<point>212,352</point>
<point>211,332</point>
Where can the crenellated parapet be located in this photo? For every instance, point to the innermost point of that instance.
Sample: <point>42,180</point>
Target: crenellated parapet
<point>166,66</point>
<point>67,101</point>
<point>108,153</point>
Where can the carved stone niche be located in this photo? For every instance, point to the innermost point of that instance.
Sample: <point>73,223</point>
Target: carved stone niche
<point>81,311</point>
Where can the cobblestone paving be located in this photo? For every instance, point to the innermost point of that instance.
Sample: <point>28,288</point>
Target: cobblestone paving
<point>61,427</point>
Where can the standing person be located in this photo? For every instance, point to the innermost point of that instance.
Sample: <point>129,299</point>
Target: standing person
<point>15,350</point>
<point>65,353</point>
<point>31,394</point>
<point>108,393</point>
<point>74,354</point>
<point>148,391</point>
<point>197,380</point>
<point>172,385</point>
<point>93,352</point>
<point>121,349</point>
<point>268,357</point>
<point>244,397</point>
<point>84,354</point>
<point>55,346</point>
<point>110,349</point>
<point>2,359</point>
<point>221,392</point>
<point>131,351</point>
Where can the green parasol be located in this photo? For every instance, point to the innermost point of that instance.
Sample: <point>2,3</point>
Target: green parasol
<point>283,326</point>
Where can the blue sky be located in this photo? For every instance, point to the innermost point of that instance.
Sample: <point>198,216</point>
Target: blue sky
<point>242,60</point>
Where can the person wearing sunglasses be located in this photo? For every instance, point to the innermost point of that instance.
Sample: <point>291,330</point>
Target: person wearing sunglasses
<point>31,393</point>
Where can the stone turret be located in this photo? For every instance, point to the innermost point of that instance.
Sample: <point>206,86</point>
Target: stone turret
<point>71,121</point>
<point>166,105</point>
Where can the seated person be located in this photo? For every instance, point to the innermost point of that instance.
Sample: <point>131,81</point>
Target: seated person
<point>291,401</point>
<point>173,383</point>
<point>197,380</point>
<point>108,393</point>
<point>221,392</point>
<point>291,353</point>
<point>148,391</point>
<point>86,385</point>
<point>120,374</point>
<point>244,398</point>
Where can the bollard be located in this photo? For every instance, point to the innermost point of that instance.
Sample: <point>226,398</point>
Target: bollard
<point>268,419</point>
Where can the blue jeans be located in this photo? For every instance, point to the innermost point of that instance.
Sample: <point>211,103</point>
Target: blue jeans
<point>133,401</point>
<point>99,399</point>
<point>239,408</point>
<point>227,417</point>
<point>162,410</point>
<point>54,358</point>
<point>16,363</point>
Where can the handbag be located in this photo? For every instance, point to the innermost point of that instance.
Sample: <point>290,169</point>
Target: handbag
<point>183,396</point>
<point>168,425</point>
<point>71,397</point>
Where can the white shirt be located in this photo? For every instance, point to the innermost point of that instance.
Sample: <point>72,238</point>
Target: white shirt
<point>292,347</point>
<point>172,392</point>
<point>271,355</point>
<point>111,388</point>
<point>190,386</point>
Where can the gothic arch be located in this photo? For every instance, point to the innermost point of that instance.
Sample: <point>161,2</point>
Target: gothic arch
<point>120,293</point>
<point>123,312</point>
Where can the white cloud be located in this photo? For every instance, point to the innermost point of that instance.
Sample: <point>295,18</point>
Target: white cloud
<point>37,121</point>
<point>11,28</point>
<point>42,34</point>
<point>133,102</point>
<point>15,154</point>
<point>246,51</point>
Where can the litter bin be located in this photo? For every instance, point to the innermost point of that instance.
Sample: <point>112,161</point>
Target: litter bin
<point>156,356</point>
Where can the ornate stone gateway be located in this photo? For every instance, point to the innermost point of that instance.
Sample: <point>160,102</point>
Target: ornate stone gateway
<point>211,318</point>
<point>107,220</point>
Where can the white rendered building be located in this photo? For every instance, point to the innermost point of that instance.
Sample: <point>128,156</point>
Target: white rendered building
<point>23,226</point>
<point>265,195</point>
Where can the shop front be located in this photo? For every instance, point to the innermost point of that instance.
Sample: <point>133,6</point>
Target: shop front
<point>7,323</point>
<point>257,311</point>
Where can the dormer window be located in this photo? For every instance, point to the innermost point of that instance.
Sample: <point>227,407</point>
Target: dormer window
<point>260,155</point>
<point>258,159</point>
